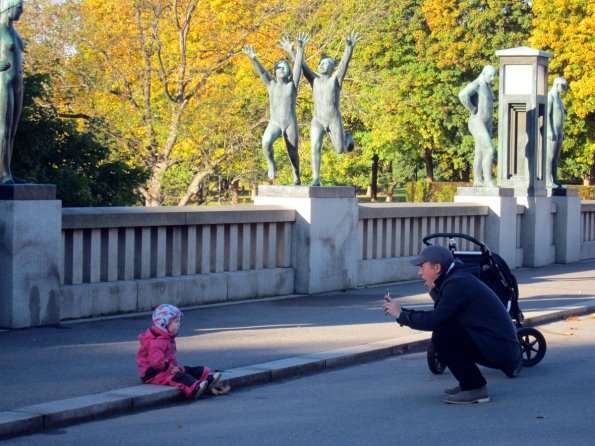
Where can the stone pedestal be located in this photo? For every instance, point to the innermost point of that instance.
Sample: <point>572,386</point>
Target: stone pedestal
<point>567,224</point>
<point>537,228</point>
<point>30,240</point>
<point>325,234</point>
<point>501,222</point>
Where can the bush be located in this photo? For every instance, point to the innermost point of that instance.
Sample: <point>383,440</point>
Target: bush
<point>585,192</point>
<point>426,191</point>
<point>418,192</point>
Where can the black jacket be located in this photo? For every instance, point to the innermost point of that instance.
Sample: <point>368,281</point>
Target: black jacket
<point>460,298</point>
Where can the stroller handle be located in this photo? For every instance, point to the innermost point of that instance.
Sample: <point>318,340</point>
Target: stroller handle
<point>427,238</point>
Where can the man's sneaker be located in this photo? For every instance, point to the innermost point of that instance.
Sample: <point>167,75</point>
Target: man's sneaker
<point>453,391</point>
<point>200,389</point>
<point>469,396</point>
<point>213,379</point>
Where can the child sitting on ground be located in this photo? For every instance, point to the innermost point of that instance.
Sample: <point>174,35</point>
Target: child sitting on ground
<point>156,358</point>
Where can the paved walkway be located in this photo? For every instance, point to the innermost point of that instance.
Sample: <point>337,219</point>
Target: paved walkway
<point>55,376</point>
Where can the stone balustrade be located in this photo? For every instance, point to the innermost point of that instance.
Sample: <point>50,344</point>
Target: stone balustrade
<point>130,259</point>
<point>388,234</point>
<point>111,244</point>
<point>294,240</point>
<point>587,235</point>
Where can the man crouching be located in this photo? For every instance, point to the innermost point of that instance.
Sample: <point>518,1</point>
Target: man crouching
<point>469,324</point>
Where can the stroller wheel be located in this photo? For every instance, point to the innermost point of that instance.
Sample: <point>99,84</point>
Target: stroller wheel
<point>435,363</point>
<point>533,345</point>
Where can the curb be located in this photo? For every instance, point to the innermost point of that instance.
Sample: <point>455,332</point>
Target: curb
<point>51,415</point>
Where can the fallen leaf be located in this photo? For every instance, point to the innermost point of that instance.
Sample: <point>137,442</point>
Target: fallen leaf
<point>572,318</point>
<point>221,390</point>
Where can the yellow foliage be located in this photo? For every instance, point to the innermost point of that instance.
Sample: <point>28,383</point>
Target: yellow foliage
<point>567,29</point>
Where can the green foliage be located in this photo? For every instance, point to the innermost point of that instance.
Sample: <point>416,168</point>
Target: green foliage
<point>585,192</point>
<point>565,28</point>
<point>399,99</point>
<point>50,150</point>
<point>419,56</point>
<point>418,191</point>
<point>426,191</point>
<point>445,192</point>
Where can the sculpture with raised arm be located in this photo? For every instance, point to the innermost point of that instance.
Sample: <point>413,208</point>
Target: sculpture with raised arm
<point>326,90</point>
<point>11,83</point>
<point>555,131</point>
<point>282,90</point>
<point>478,98</point>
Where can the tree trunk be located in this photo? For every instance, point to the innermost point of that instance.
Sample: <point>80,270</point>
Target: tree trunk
<point>426,154</point>
<point>390,190</point>
<point>235,191</point>
<point>152,193</point>
<point>374,181</point>
<point>589,178</point>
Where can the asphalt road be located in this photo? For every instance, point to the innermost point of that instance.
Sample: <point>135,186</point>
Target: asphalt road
<point>396,401</point>
<point>75,359</point>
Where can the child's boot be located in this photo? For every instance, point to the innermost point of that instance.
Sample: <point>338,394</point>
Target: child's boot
<point>213,379</point>
<point>200,389</point>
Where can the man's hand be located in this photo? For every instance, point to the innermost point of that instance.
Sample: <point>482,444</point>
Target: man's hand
<point>392,308</point>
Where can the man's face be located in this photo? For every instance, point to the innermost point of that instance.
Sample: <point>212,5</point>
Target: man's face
<point>429,272</point>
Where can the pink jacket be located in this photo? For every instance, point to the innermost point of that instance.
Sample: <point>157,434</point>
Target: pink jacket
<point>156,356</point>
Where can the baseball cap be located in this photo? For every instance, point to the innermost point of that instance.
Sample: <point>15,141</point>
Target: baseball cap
<point>433,254</point>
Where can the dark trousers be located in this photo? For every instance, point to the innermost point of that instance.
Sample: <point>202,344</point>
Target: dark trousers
<point>461,355</point>
<point>190,377</point>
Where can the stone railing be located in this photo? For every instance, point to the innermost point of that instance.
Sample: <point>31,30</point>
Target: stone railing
<point>294,240</point>
<point>587,235</point>
<point>129,259</point>
<point>118,260</point>
<point>390,233</point>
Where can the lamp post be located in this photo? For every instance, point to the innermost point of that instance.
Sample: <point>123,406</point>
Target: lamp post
<point>521,126</point>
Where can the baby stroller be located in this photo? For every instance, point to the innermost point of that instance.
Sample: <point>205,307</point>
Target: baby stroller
<point>495,273</point>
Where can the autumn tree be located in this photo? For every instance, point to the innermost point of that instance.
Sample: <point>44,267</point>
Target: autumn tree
<point>566,28</point>
<point>50,149</point>
<point>159,73</point>
<point>421,53</point>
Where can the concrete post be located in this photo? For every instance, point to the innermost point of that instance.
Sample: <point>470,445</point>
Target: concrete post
<point>537,229</point>
<point>324,252</point>
<point>500,229</point>
<point>30,241</point>
<point>567,225</point>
